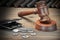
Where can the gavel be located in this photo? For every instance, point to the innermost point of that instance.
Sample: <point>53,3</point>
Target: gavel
<point>44,23</point>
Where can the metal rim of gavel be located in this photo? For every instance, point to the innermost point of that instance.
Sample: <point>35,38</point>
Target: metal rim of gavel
<point>51,26</point>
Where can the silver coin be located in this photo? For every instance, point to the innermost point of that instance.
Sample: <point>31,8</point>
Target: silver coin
<point>15,34</point>
<point>33,34</point>
<point>25,36</point>
<point>15,30</point>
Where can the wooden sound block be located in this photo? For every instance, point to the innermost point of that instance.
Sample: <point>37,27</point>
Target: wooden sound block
<point>46,26</point>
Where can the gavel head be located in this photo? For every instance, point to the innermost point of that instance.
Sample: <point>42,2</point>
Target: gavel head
<point>43,11</point>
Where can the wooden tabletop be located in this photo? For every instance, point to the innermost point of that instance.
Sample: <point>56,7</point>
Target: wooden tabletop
<point>29,22</point>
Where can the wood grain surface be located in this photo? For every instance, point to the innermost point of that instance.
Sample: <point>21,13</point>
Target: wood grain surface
<point>29,22</point>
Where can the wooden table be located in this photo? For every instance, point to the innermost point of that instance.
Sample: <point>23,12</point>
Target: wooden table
<point>28,22</point>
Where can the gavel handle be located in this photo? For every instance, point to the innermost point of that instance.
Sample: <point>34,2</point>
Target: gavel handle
<point>27,12</point>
